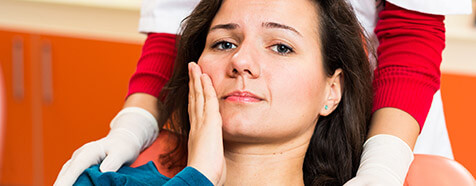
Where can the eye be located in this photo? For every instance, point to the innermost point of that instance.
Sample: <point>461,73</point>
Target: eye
<point>223,45</point>
<point>282,49</point>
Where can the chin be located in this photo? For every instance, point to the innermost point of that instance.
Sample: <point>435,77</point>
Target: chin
<point>239,129</point>
<point>238,126</point>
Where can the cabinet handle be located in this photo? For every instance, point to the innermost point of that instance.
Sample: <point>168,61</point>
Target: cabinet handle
<point>47,72</point>
<point>18,68</point>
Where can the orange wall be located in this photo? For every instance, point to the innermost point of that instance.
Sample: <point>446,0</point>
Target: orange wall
<point>459,101</point>
<point>89,79</point>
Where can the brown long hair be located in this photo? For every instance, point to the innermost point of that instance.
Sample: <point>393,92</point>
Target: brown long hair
<point>333,155</point>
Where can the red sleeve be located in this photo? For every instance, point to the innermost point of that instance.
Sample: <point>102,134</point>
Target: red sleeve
<point>155,64</point>
<point>409,58</point>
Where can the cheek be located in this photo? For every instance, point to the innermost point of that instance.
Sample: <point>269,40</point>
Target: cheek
<point>205,63</point>
<point>212,67</point>
<point>300,94</point>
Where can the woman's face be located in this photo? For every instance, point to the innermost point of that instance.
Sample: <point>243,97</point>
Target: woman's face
<point>264,59</point>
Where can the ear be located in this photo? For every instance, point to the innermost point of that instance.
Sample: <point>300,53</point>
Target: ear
<point>334,90</point>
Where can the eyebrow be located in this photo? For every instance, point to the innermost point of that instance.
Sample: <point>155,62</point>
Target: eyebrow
<point>232,26</point>
<point>228,26</point>
<point>280,26</point>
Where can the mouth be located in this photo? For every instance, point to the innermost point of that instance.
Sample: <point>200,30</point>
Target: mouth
<point>242,97</point>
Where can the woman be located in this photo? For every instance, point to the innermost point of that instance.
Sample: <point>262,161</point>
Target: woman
<point>281,95</point>
<point>402,102</point>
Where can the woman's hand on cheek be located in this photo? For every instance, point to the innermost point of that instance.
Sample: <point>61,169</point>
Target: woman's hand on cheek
<point>205,143</point>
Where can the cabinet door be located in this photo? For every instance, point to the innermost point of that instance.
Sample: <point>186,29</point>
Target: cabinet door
<point>72,90</point>
<point>88,87</point>
<point>17,148</point>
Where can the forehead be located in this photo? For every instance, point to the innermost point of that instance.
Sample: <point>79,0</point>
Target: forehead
<point>299,14</point>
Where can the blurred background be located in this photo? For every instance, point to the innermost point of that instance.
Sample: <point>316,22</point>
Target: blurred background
<point>65,66</point>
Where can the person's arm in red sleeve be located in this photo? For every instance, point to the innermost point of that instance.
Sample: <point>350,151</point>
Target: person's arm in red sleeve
<point>405,80</point>
<point>408,71</point>
<point>155,64</point>
<point>153,71</point>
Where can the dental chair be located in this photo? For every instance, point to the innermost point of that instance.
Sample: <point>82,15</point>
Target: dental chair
<point>424,170</point>
<point>437,171</point>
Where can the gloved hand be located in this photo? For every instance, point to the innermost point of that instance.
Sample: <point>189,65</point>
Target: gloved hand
<point>385,161</point>
<point>132,130</point>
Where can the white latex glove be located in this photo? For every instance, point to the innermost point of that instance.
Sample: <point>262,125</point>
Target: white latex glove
<point>385,161</point>
<point>132,130</point>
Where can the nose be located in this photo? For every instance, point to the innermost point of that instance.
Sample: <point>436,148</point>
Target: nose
<point>244,63</point>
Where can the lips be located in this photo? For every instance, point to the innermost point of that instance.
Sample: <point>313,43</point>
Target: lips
<point>242,96</point>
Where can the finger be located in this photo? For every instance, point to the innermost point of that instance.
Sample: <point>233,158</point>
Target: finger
<point>112,162</point>
<point>60,179</point>
<point>191,97</point>
<point>85,157</point>
<point>211,100</point>
<point>199,100</point>
<point>63,176</point>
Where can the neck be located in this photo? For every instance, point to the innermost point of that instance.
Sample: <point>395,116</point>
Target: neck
<point>253,164</point>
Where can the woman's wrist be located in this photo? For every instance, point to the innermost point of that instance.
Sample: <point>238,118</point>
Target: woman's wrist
<point>193,176</point>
